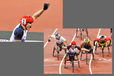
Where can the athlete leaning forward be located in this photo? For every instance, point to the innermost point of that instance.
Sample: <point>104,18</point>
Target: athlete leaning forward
<point>19,33</point>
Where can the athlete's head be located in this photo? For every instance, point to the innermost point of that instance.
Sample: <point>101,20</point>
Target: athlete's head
<point>26,22</point>
<point>102,38</point>
<point>57,36</point>
<point>73,44</point>
<point>86,40</point>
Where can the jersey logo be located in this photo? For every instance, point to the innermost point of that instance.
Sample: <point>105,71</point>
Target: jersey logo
<point>24,21</point>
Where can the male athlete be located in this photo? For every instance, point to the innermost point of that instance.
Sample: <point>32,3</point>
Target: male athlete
<point>73,50</point>
<point>60,41</point>
<point>87,47</point>
<point>20,32</point>
<point>102,40</point>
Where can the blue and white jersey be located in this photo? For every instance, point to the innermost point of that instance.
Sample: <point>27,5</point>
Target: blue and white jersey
<point>71,51</point>
<point>18,34</point>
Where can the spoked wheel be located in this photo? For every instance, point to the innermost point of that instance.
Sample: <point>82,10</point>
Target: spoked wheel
<point>58,49</point>
<point>95,49</point>
<point>54,51</point>
<point>86,32</point>
<point>77,32</point>
<point>102,51</point>
<point>108,51</point>
<point>72,61</point>
<point>81,34</point>
<point>65,62</point>
<point>86,59</point>
<point>78,62</point>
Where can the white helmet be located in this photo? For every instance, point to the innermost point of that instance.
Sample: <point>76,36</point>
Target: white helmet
<point>57,35</point>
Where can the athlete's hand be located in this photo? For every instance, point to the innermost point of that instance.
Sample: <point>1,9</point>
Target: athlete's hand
<point>49,40</point>
<point>46,6</point>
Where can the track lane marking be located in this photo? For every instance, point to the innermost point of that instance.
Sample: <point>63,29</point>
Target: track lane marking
<point>93,52</point>
<point>65,55</point>
<point>51,34</point>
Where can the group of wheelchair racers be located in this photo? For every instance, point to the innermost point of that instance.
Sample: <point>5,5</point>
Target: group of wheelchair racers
<point>73,51</point>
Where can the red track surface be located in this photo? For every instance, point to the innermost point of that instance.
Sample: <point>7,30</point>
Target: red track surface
<point>12,10</point>
<point>98,66</point>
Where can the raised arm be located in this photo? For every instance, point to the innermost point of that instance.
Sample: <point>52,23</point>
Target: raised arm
<point>39,12</point>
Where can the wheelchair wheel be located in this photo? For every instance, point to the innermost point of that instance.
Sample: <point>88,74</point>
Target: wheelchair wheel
<point>58,49</point>
<point>54,51</point>
<point>108,51</point>
<point>72,65</point>
<point>65,62</point>
<point>103,51</point>
<point>81,35</point>
<point>87,32</point>
<point>86,58</point>
<point>77,32</point>
<point>78,62</point>
<point>96,49</point>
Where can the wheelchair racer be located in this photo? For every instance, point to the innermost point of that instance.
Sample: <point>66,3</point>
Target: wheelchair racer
<point>102,40</point>
<point>60,41</point>
<point>73,50</point>
<point>87,47</point>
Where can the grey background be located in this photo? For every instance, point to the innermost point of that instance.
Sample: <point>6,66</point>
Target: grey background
<point>88,13</point>
<point>21,59</point>
<point>30,35</point>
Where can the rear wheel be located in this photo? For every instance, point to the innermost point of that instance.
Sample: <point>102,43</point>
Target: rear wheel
<point>53,51</point>
<point>87,32</point>
<point>102,51</point>
<point>72,65</point>
<point>78,62</point>
<point>108,51</point>
<point>58,49</point>
<point>86,58</point>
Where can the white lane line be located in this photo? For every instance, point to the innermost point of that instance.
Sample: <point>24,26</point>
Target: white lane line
<point>93,52</point>
<point>52,34</point>
<point>5,40</point>
<point>65,55</point>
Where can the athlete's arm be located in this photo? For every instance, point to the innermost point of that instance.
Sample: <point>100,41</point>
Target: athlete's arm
<point>66,42</point>
<point>39,12</point>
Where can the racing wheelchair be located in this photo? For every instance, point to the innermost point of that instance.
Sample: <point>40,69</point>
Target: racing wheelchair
<point>102,46</point>
<point>81,30</point>
<point>71,57</point>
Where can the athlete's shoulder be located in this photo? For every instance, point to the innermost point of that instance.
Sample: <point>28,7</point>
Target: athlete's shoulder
<point>78,47</point>
<point>68,47</point>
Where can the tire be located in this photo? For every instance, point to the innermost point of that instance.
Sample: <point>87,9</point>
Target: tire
<point>58,49</point>
<point>53,51</point>
<point>78,62</point>
<point>65,62</point>
<point>108,51</point>
<point>95,49</point>
<point>86,59</point>
<point>81,56</point>
<point>103,52</point>
<point>81,35</point>
<point>77,32</point>
<point>72,65</point>
<point>87,32</point>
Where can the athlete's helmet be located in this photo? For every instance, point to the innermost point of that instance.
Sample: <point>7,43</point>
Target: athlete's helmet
<point>86,39</point>
<point>57,35</point>
<point>26,19</point>
<point>73,43</point>
<point>102,37</point>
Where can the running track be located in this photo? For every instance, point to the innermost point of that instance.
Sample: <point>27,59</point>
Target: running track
<point>13,10</point>
<point>98,66</point>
